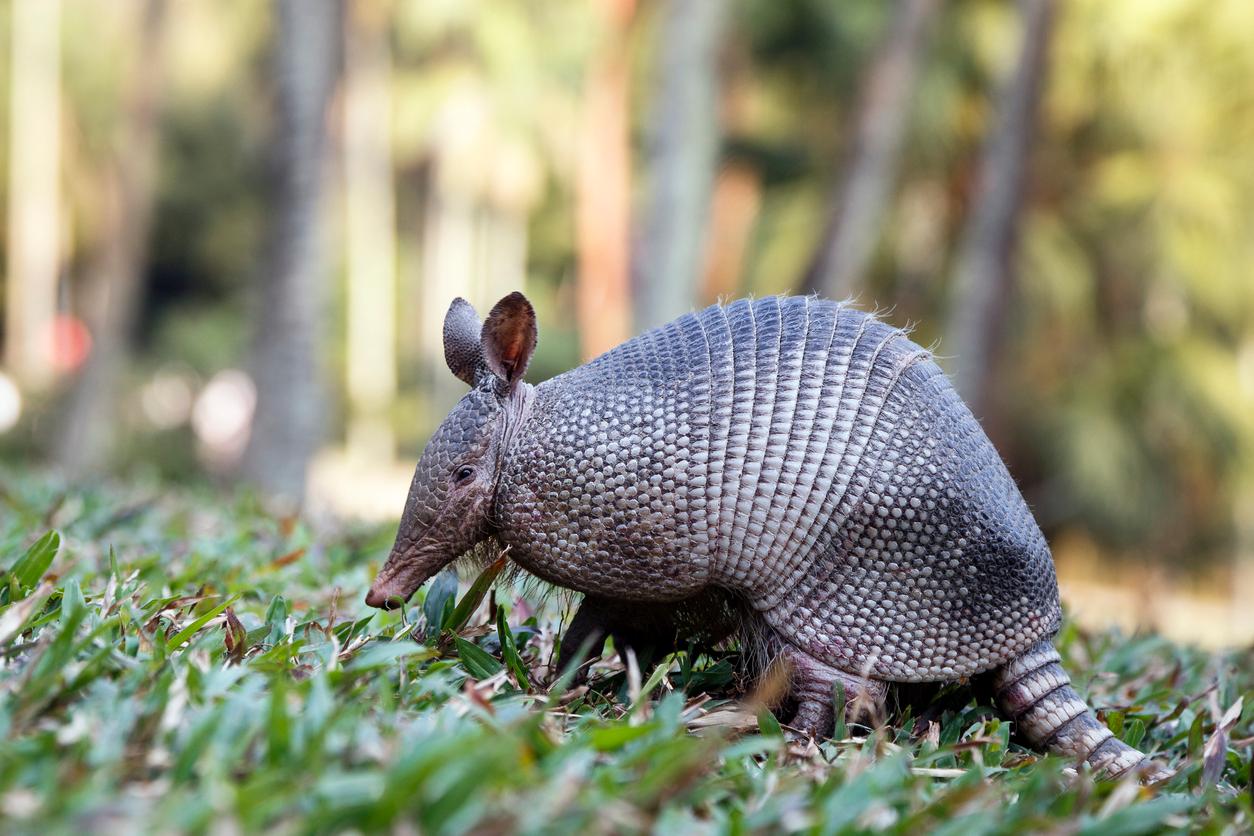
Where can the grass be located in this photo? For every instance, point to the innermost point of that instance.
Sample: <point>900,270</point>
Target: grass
<point>188,663</point>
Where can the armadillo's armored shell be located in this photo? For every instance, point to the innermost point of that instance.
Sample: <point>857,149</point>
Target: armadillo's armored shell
<point>803,455</point>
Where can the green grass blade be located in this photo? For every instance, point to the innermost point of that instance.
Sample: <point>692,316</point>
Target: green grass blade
<point>477,661</point>
<point>440,594</point>
<point>509,651</point>
<point>474,596</point>
<point>191,629</point>
<point>31,566</point>
<point>651,684</point>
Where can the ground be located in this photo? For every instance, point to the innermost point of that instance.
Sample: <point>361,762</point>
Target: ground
<point>186,662</point>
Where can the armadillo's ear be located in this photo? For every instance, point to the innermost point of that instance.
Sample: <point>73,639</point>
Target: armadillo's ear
<point>463,350</point>
<point>509,337</point>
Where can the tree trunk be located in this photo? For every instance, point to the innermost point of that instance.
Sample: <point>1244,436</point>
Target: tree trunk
<point>1242,590</point>
<point>860,195</point>
<point>289,420</point>
<point>985,269</point>
<point>34,189</point>
<point>681,157</point>
<point>448,268</point>
<point>371,233</point>
<point>734,206</point>
<point>603,192</point>
<point>115,278</point>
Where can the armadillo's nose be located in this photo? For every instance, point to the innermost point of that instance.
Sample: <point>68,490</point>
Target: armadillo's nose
<point>406,569</point>
<point>383,598</point>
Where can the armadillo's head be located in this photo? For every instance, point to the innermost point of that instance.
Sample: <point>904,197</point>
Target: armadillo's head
<point>450,502</point>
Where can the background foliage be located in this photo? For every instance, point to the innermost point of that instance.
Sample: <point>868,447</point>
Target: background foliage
<point>1123,388</point>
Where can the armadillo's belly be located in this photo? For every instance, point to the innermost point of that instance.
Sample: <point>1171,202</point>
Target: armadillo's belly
<point>862,509</point>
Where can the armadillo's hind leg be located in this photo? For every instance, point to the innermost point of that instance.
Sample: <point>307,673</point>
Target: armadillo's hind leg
<point>812,685</point>
<point>1035,692</point>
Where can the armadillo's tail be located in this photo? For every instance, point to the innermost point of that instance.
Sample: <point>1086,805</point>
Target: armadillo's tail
<point>1035,692</point>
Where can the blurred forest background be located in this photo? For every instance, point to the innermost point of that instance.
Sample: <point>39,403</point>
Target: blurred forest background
<point>232,228</point>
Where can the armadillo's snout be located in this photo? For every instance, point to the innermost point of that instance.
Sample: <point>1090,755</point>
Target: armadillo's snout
<point>407,568</point>
<point>382,597</point>
<point>391,587</point>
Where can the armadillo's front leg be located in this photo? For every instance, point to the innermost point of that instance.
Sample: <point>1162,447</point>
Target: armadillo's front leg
<point>585,635</point>
<point>1035,691</point>
<point>813,686</point>
<point>648,630</point>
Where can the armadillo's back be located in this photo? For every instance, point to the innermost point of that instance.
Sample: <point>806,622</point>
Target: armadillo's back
<point>806,455</point>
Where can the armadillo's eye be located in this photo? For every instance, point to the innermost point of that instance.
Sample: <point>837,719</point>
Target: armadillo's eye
<point>463,474</point>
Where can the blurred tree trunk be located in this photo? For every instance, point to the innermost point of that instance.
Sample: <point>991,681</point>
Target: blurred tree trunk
<point>115,276</point>
<point>371,231</point>
<point>680,158</point>
<point>603,191</point>
<point>736,196</point>
<point>866,178</point>
<point>502,256</point>
<point>1243,569</point>
<point>34,189</point>
<point>986,260</point>
<point>734,206</point>
<point>291,403</point>
<point>448,268</point>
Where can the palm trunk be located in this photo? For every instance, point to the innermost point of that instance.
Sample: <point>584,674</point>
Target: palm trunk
<point>115,281</point>
<point>288,424</point>
<point>986,262</point>
<point>371,233</point>
<point>861,193</point>
<point>681,157</point>
<point>448,267</point>
<point>603,193</point>
<point>33,248</point>
<point>734,206</point>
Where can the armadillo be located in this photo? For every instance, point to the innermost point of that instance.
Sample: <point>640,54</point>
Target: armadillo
<point>785,462</point>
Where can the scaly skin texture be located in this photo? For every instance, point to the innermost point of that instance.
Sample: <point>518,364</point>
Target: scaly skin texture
<point>800,462</point>
<point>856,503</point>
